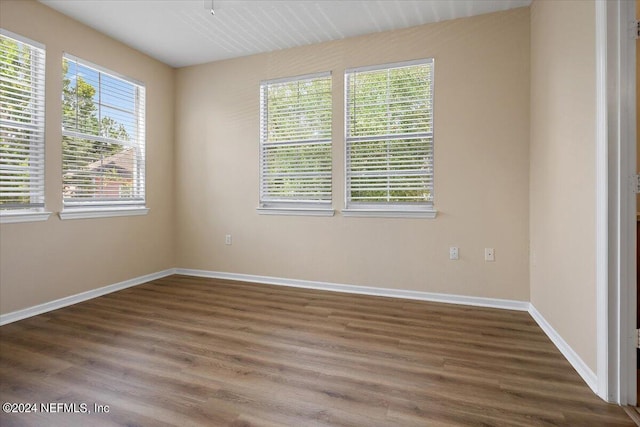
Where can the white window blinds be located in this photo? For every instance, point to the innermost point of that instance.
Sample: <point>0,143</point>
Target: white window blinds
<point>103,137</point>
<point>22,65</point>
<point>389,136</point>
<point>295,142</point>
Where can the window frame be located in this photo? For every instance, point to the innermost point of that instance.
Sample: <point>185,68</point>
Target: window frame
<point>388,209</point>
<point>293,207</point>
<point>79,209</point>
<point>35,210</point>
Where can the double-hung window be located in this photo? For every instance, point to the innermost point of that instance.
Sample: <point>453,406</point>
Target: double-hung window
<point>389,140</point>
<point>103,142</point>
<point>295,145</point>
<point>22,64</point>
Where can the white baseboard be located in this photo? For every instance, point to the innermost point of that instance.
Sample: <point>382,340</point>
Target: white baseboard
<point>84,296</point>
<point>578,364</point>
<point>572,357</point>
<point>365,290</point>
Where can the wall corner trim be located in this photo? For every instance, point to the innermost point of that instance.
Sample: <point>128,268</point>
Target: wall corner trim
<point>363,290</point>
<point>572,357</point>
<point>14,316</point>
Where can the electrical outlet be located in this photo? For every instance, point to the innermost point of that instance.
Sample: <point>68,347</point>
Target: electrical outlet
<point>227,239</point>
<point>453,253</point>
<point>489,254</point>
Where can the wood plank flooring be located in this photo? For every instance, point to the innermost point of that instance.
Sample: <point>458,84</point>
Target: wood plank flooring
<point>188,351</point>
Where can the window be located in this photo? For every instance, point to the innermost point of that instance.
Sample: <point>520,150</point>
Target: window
<point>389,140</point>
<point>22,65</point>
<point>103,141</point>
<point>295,145</point>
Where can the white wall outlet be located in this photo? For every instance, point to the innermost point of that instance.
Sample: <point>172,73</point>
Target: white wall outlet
<point>227,239</point>
<point>453,252</point>
<point>489,254</point>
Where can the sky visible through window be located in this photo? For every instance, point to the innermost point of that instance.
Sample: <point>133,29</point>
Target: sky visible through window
<point>103,136</point>
<point>114,97</point>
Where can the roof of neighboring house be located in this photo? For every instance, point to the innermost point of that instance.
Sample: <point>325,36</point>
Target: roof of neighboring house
<point>121,163</point>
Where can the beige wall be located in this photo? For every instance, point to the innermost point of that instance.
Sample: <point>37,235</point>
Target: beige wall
<point>481,167</point>
<point>562,164</point>
<point>44,261</point>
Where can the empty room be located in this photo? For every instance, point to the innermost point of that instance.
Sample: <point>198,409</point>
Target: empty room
<point>318,213</point>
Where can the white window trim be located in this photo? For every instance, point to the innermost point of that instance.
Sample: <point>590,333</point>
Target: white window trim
<point>84,213</point>
<point>363,209</point>
<point>293,207</point>
<point>390,213</point>
<point>35,213</point>
<point>297,211</point>
<point>102,69</point>
<point>80,210</point>
<point>11,217</point>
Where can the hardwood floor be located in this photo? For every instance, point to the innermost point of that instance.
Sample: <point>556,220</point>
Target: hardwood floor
<point>191,351</point>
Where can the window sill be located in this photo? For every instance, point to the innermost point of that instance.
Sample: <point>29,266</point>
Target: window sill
<point>101,212</point>
<point>297,211</point>
<point>23,216</point>
<point>390,213</point>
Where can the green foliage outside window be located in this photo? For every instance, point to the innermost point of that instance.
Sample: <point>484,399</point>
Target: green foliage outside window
<point>94,144</point>
<point>296,141</point>
<point>21,130</point>
<point>390,135</point>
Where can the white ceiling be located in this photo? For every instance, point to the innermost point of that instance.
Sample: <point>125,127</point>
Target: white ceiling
<point>183,32</point>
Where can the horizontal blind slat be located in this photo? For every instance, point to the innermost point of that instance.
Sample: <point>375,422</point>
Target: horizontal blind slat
<point>22,81</point>
<point>103,137</point>
<point>295,140</point>
<point>389,134</point>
